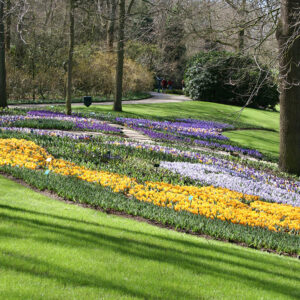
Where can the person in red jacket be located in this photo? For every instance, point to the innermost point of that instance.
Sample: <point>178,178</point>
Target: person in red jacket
<point>164,84</point>
<point>170,84</point>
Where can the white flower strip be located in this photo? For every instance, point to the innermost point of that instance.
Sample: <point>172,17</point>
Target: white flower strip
<point>212,175</point>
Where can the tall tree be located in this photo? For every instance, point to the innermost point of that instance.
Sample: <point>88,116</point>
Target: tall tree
<point>8,25</point>
<point>288,36</point>
<point>112,8</point>
<point>3,95</point>
<point>242,13</point>
<point>120,57</point>
<point>70,57</point>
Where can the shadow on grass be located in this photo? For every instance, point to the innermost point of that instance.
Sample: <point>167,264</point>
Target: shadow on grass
<point>198,258</point>
<point>11,260</point>
<point>190,244</point>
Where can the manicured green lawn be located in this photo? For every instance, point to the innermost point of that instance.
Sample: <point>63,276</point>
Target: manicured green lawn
<point>265,141</point>
<point>52,250</point>
<point>198,110</point>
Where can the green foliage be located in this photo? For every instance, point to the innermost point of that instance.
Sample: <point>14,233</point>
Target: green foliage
<point>231,79</point>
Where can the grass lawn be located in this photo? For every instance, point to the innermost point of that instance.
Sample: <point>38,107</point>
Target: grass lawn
<point>52,250</point>
<point>198,110</point>
<point>265,141</point>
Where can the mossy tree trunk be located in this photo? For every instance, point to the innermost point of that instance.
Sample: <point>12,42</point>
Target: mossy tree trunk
<point>70,58</point>
<point>8,25</point>
<point>3,95</point>
<point>288,36</point>
<point>120,58</point>
<point>242,14</point>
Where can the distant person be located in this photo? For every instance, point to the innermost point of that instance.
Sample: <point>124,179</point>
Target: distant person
<point>170,84</point>
<point>183,85</point>
<point>164,84</point>
<point>158,80</point>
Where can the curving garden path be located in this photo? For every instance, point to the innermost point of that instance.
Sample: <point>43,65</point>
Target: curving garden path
<point>155,98</point>
<point>138,137</point>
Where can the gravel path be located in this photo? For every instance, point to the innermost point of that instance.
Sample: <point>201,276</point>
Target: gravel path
<point>156,98</point>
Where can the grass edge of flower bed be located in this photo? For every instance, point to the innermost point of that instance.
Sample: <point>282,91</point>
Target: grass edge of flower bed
<point>94,195</point>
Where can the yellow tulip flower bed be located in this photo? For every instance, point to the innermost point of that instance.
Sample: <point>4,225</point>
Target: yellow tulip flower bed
<point>22,153</point>
<point>211,202</point>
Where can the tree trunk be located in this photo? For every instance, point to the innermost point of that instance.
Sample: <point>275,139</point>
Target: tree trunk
<point>120,58</point>
<point>241,40</point>
<point>70,59</point>
<point>111,25</point>
<point>8,25</point>
<point>33,68</point>
<point>20,51</point>
<point>289,44</point>
<point>3,95</point>
<point>241,37</point>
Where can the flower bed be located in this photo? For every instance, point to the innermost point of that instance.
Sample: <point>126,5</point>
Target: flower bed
<point>185,127</point>
<point>197,132</point>
<point>188,131</point>
<point>224,173</point>
<point>44,132</point>
<point>78,122</point>
<point>213,203</point>
<point>244,180</point>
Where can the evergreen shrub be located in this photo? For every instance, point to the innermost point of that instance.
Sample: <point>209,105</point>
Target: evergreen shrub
<point>230,78</point>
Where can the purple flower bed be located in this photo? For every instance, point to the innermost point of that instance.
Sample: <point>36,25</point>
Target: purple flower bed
<point>80,122</point>
<point>7,119</point>
<point>229,148</point>
<point>266,187</point>
<point>200,129</point>
<point>167,150</point>
<point>57,133</point>
<point>175,138</point>
<point>205,124</point>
